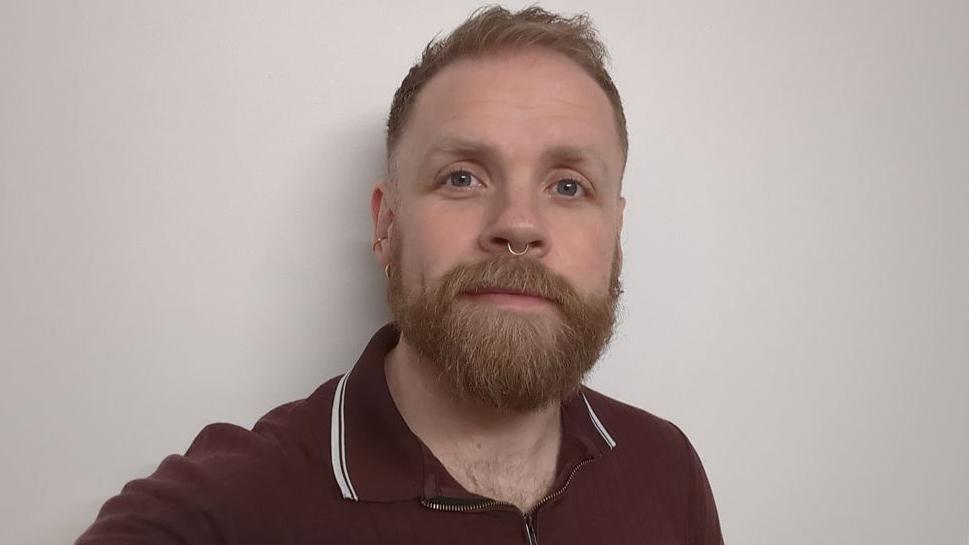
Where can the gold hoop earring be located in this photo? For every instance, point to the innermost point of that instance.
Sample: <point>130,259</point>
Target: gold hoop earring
<point>378,241</point>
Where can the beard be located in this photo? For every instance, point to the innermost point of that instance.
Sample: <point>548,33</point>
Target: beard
<point>500,358</point>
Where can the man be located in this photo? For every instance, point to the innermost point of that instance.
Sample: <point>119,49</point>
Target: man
<point>464,420</point>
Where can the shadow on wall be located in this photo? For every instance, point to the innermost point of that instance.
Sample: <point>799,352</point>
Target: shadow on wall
<point>348,159</point>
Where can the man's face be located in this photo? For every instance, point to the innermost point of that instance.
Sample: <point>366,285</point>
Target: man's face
<point>518,149</point>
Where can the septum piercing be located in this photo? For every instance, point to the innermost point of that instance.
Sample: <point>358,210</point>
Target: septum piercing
<point>523,252</point>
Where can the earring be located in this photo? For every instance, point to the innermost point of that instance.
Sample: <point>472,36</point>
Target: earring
<point>378,241</point>
<point>387,271</point>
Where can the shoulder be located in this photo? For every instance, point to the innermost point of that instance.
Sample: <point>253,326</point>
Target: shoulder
<point>640,429</point>
<point>651,446</point>
<point>288,445</point>
<point>301,425</point>
<point>653,456</point>
<point>231,479</point>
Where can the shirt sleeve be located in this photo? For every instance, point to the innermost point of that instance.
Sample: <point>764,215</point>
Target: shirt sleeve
<point>232,485</point>
<point>170,507</point>
<point>186,500</point>
<point>703,520</point>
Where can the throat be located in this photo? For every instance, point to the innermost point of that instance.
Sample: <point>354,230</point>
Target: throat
<point>522,481</point>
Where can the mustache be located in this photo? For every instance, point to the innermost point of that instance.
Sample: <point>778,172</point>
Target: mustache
<point>507,273</point>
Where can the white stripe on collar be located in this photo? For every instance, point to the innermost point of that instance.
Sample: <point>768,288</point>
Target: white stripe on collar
<point>338,447</point>
<point>599,427</point>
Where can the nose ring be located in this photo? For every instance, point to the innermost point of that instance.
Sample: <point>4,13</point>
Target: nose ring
<point>523,252</point>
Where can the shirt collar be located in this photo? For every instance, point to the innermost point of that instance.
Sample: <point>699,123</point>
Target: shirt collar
<point>377,458</point>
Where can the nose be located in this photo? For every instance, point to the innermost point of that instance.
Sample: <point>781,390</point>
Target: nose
<point>515,220</point>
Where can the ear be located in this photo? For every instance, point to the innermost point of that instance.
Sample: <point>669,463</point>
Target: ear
<point>382,214</point>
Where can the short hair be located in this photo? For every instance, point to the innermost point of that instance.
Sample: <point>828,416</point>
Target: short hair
<point>493,29</point>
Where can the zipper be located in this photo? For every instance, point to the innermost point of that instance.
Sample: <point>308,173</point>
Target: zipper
<point>530,530</point>
<point>463,506</point>
<point>459,506</point>
<point>560,491</point>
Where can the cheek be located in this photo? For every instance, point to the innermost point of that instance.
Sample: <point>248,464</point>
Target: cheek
<point>587,254</point>
<point>435,240</point>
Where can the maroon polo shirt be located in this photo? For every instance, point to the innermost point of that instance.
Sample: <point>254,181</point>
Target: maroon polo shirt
<point>341,467</point>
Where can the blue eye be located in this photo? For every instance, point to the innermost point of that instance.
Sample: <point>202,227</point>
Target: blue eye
<point>569,187</point>
<point>460,178</point>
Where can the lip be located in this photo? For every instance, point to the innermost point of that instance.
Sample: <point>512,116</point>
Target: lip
<point>509,298</point>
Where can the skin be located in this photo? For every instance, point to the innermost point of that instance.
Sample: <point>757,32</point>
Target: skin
<point>523,127</point>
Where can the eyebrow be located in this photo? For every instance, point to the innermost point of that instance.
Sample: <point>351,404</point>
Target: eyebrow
<point>563,153</point>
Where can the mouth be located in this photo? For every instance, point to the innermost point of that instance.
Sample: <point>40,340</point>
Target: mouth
<point>508,298</point>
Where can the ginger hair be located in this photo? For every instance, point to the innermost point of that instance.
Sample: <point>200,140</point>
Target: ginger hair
<point>494,29</point>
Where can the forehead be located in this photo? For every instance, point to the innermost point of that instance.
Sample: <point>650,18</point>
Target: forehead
<point>519,103</point>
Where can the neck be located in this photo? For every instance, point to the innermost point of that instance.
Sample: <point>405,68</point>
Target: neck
<point>461,431</point>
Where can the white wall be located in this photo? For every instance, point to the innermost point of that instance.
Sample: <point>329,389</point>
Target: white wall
<point>185,238</point>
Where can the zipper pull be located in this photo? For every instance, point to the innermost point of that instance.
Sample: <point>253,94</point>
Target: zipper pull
<point>530,531</point>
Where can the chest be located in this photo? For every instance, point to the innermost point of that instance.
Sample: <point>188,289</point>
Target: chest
<point>586,513</point>
<point>517,482</point>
